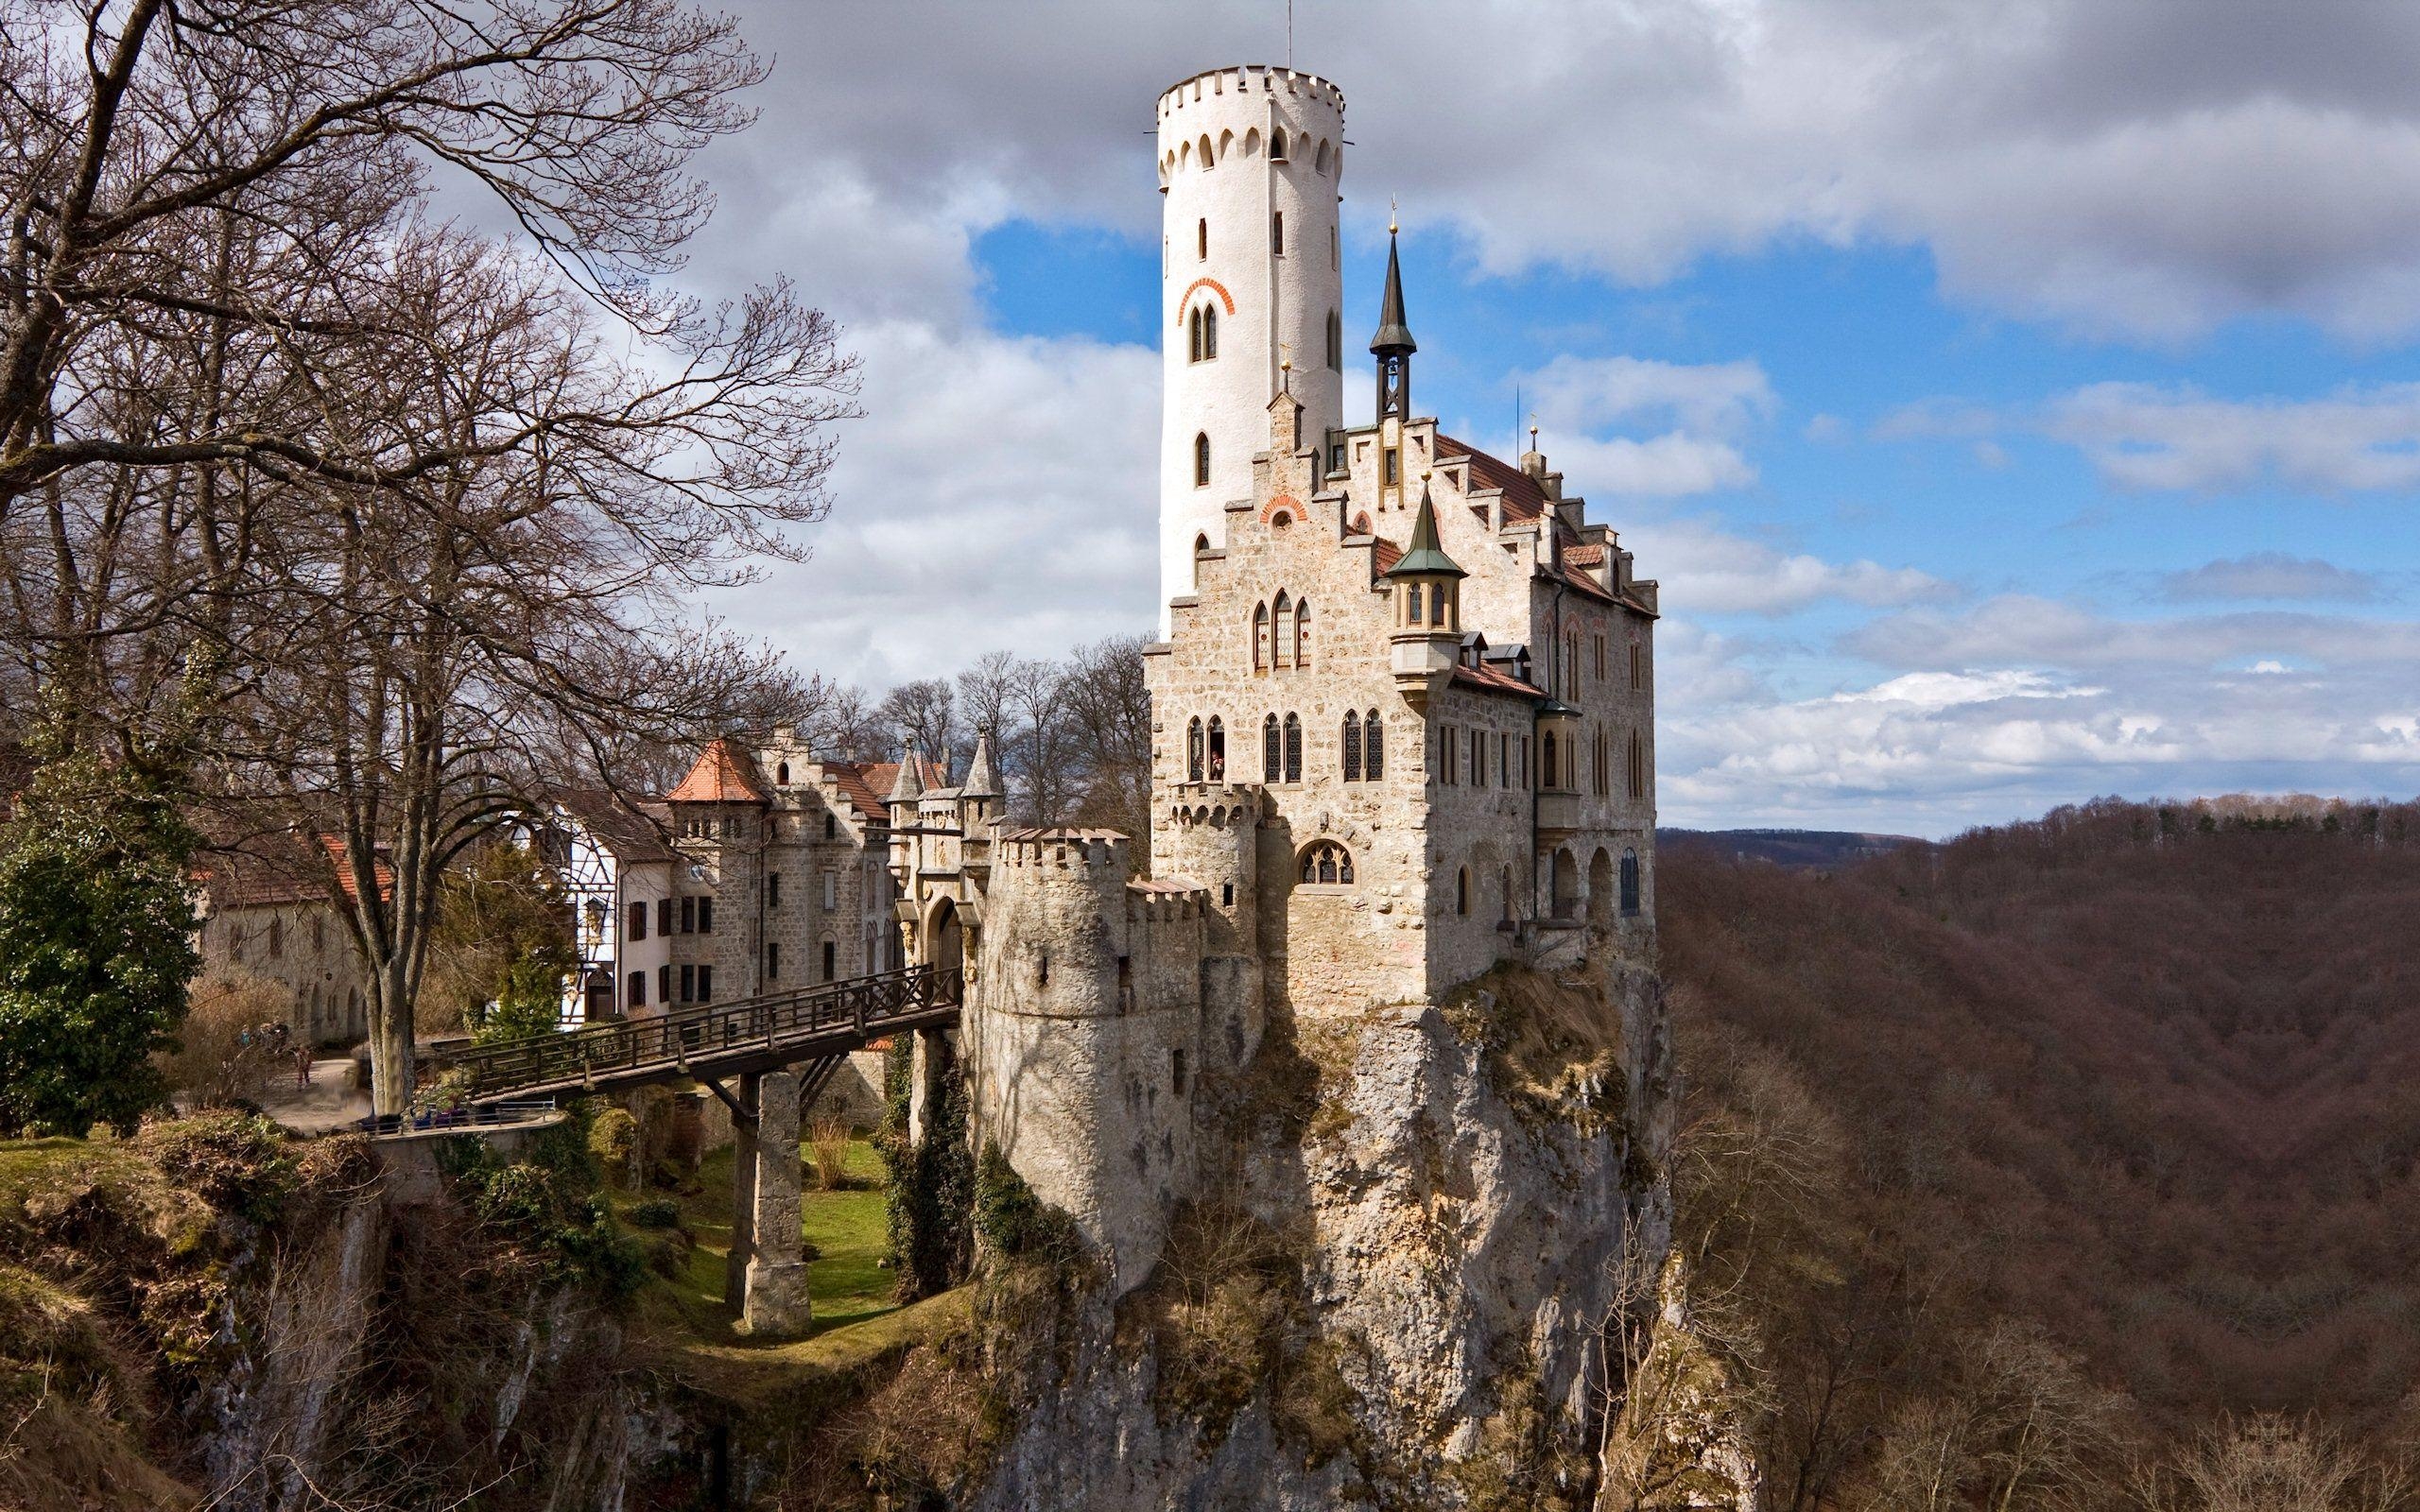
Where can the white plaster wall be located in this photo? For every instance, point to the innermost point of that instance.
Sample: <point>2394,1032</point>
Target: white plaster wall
<point>1281,301</point>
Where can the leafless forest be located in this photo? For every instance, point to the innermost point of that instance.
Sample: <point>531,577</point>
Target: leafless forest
<point>2069,1163</point>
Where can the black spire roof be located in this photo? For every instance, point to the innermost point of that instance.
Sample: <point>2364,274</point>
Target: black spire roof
<point>1393,337</point>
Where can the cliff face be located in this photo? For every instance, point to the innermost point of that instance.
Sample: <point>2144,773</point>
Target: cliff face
<point>1417,1222</point>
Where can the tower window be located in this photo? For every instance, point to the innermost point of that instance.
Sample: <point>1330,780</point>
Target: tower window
<point>1202,334</point>
<point>1393,473</point>
<point>1327,862</point>
<point>1629,884</point>
<point>782,775</point>
<point>831,827</point>
<point>1193,751</point>
<point>1374,747</point>
<point>1201,549</point>
<point>1202,459</point>
<point>1277,232</point>
<point>1352,745</point>
<point>1202,239</point>
<point>1277,145</point>
<point>1303,633</point>
<point>1334,341</point>
<point>1285,630</point>
<point>1638,666</point>
<point>1260,637</point>
<point>1332,254</point>
<point>773,890</point>
<point>1638,765</point>
<point>831,960</point>
<point>1217,749</point>
<point>1462,890</point>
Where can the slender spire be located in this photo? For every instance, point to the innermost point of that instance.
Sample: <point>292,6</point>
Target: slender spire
<point>910,783</point>
<point>981,780</point>
<point>1393,337</point>
<point>1393,346</point>
<point>1424,556</point>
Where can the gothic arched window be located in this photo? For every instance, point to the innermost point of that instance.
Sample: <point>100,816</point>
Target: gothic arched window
<point>1374,747</point>
<point>1193,750</point>
<point>1277,144</point>
<point>1273,759</point>
<point>1209,332</point>
<point>1303,633</point>
<point>1629,884</point>
<point>1352,747</point>
<point>1283,645</point>
<point>1202,459</point>
<point>1217,749</point>
<point>1294,748</point>
<point>1201,549</point>
<point>1260,637</point>
<point>1548,771</point>
<point>1325,862</point>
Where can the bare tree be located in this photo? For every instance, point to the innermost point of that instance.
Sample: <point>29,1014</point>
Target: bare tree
<point>925,713</point>
<point>418,505</point>
<point>1108,711</point>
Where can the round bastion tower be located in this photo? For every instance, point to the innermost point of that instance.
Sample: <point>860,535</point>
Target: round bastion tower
<point>1250,158</point>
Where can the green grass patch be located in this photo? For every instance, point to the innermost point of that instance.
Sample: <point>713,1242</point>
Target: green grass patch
<point>847,1282</point>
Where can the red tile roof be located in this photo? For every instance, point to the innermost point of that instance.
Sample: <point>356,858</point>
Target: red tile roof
<point>1523,498</point>
<point>1487,679</point>
<point>260,871</point>
<point>722,775</point>
<point>1384,557</point>
<point>1588,556</point>
<point>379,868</point>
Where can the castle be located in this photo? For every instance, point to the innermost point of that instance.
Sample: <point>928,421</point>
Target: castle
<point>1404,715</point>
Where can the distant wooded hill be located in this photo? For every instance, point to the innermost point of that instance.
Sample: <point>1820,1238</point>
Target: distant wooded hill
<point>2061,1152</point>
<point>1787,848</point>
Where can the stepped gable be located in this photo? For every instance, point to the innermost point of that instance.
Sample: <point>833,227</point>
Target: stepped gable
<point>723,774</point>
<point>1524,500</point>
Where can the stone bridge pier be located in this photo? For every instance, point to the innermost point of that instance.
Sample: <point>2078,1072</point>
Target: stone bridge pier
<point>766,1274</point>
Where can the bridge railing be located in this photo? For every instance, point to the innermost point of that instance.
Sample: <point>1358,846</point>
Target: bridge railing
<point>862,1004</point>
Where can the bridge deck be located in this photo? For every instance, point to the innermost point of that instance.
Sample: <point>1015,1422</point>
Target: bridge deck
<point>733,1038</point>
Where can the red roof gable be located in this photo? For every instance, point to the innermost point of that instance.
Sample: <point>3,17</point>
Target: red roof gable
<point>1523,497</point>
<point>722,775</point>
<point>1487,679</point>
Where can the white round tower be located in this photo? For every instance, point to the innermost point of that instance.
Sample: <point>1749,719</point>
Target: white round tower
<point>1249,160</point>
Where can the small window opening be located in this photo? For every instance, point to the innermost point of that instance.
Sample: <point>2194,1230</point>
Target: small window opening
<point>1202,239</point>
<point>1277,232</point>
<point>1202,459</point>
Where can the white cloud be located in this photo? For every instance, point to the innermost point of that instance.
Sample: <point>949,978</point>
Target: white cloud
<point>982,510</point>
<point>2270,575</point>
<point>2143,168</point>
<point>2152,437</point>
<point>1712,571</point>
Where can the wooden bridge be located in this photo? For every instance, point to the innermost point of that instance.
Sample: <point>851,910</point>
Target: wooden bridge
<point>813,1027</point>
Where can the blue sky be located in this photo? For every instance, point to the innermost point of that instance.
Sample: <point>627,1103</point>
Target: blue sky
<point>2012,400</point>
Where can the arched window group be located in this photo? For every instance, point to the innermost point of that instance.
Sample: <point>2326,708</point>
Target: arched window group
<point>1365,751</point>
<point>1281,633</point>
<point>1281,748</point>
<point>1205,750</point>
<point>1201,341</point>
<point>1326,861</point>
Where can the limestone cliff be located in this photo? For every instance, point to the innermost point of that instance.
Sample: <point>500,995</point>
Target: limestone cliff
<point>1416,1222</point>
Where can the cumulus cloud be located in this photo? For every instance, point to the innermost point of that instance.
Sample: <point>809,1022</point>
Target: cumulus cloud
<point>2175,438</point>
<point>2270,575</point>
<point>981,511</point>
<point>1713,570</point>
<point>2140,169</point>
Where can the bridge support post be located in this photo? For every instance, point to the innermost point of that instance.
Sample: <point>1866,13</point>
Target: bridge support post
<point>775,1302</point>
<point>743,1191</point>
<point>928,1066</point>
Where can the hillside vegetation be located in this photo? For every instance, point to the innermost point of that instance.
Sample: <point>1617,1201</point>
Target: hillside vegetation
<point>2065,1164</point>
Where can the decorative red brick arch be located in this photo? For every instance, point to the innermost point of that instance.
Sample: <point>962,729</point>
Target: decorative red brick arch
<point>1199,283</point>
<point>1286,501</point>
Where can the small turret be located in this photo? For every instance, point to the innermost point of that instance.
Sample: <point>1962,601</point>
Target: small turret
<point>910,783</point>
<point>982,780</point>
<point>1428,613</point>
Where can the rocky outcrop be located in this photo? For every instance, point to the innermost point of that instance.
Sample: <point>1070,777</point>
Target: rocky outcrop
<point>1391,1289</point>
